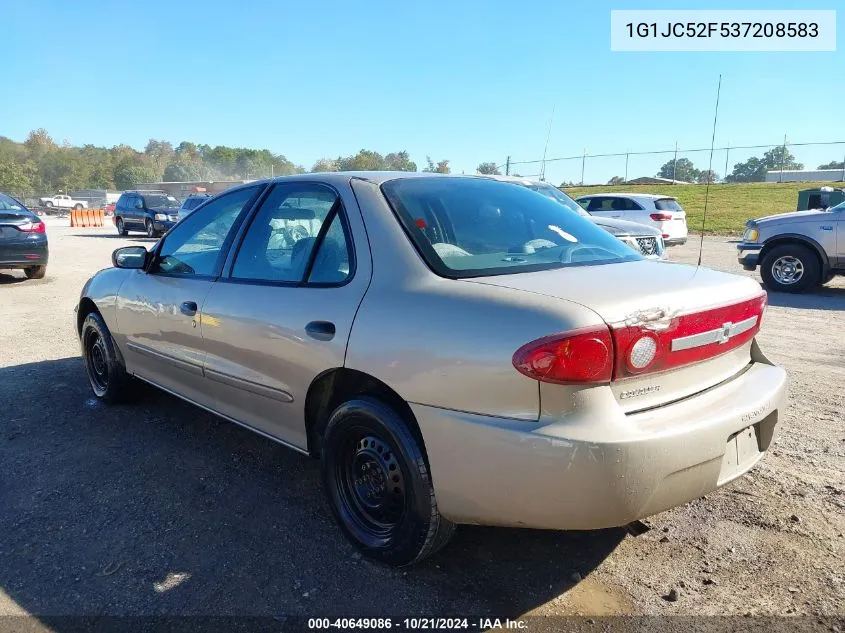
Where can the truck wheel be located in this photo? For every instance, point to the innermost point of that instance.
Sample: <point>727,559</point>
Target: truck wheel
<point>790,268</point>
<point>121,229</point>
<point>103,365</point>
<point>35,272</point>
<point>77,206</point>
<point>48,204</point>
<point>378,484</point>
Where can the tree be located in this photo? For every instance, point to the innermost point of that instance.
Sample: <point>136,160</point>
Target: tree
<point>399,161</point>
<point>441,167</point>
<point>707,176</point>
<point>754,169</point>
<point>616,180</point>
<point>832,165</point>
<point>681,169</point>
<point>325,164</point>
<point>17,178</point>
<point>489,169</point>
<point>187,172</point>
<point>364,160</point>
<point>128,176</point>
<point>160,153</point>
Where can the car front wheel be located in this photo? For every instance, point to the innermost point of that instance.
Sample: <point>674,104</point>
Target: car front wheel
<point>790,268</point>
<point>379,486</point>
<point>151,232</point>
<point>103,365</point>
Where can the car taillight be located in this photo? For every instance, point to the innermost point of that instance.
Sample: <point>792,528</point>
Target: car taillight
<point>33,227</point>
<point>579,356</point>
<point>686,339</point>
<point>658,217</point>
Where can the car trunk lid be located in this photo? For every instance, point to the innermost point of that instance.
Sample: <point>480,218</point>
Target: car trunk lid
<point>702,321</point>
<point>12,223</point>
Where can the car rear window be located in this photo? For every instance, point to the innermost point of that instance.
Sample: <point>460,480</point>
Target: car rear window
<point>7,203</point>
<point>667,204</point>
<point>468,227</point>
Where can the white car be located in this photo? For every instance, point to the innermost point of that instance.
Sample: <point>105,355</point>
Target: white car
<point>662,212</point>
<point>62,202</point>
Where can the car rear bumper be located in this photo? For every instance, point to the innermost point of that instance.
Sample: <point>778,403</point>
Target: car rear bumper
<point>555,476</point>
<point>674,241</point>
<point>23,254</point>
<point>748,255</point>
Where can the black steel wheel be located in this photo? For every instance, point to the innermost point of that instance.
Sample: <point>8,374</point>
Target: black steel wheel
<point>103,365</point>
<point>378,484</point>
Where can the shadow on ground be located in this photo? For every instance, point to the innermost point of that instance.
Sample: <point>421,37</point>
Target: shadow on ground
<point>819,298</point>
<point>11,277</point>
<point>159,508</point>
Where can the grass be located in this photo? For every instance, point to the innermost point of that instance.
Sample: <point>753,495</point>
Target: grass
<point>729,206</point>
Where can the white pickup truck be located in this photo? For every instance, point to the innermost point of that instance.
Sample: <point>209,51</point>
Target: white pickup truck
<point>62,202</point>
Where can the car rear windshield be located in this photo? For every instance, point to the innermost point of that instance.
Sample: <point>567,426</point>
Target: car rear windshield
<point>193,203</point>
<point>470,227</point>
<point>7,203</point>
<point>667,204</point>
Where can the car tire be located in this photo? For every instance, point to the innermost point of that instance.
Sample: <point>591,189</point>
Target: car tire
<point>35,272</point>
<point>78,207</point>
<point>790,268</point>
<point>379,486</point>
<point>49,205</point>
<point>148,227</point>
<point>121,227</point>
<point>103,364</point>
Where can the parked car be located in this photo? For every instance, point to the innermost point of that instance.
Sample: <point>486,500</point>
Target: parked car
<point>795,251</point>
<point>23,239</point>
<point>453,349</point>
<point>662,212</point>
<point>61,201</point>
<point>190,203</point>
<point>152,212</point>
<point>109,208</point>
<point>644,239</point>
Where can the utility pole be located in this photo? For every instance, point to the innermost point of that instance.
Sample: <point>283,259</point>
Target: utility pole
<point>626,166</point>
<point>843,168</point>
<point>675,163</point>
<point>508,166</point>
<point>583,160</point>
<point>782,158</point>
<point>727,154</point>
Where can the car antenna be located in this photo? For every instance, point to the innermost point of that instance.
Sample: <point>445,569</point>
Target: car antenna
<point>709,172</point>
<point>545,149</point>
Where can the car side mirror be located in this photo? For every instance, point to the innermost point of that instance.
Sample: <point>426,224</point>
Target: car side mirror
<point>132,257</point>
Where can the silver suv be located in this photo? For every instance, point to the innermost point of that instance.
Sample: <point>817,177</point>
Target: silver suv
<point>796,251</point>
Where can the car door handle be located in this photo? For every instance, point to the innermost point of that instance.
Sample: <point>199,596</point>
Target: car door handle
<point>320,330</point>
<point>188,308</point>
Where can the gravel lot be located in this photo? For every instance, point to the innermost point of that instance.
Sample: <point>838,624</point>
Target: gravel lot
<point>160,508</point>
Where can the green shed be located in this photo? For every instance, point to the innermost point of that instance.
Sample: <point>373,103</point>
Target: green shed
<point>819,198</point>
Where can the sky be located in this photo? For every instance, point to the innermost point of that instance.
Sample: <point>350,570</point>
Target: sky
<point>467,80</point>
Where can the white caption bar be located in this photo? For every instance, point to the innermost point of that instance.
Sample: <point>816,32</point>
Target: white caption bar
<point>722,30</point>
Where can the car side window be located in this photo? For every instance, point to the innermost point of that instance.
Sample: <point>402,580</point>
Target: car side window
<point>631,204</point>
<point>139,202</point>
<point>196,245</point>
<point>280,244</point>
<point>600,204</point>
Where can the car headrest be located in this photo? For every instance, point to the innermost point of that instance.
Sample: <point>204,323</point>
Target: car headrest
<point>293,213</point>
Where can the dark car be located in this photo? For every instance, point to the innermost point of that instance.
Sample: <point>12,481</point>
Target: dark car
<point>152,212</point>
<point>23,239</point>
<point>190,204</point>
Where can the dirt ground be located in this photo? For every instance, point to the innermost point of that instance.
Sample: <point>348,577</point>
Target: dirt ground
<point>159,508</point>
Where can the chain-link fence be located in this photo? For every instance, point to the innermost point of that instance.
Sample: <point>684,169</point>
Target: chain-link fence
<point>739,163</point>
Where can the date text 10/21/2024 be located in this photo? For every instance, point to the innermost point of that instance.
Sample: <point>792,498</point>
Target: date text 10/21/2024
<point>417,623</point>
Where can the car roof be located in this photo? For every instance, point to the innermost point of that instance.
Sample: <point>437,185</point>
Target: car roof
<point>377,177</point>
<point>620,194</point>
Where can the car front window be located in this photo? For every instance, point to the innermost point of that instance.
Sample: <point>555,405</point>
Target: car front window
<point>467,227</point>
<point>558,196</point>
<point>161,202</point>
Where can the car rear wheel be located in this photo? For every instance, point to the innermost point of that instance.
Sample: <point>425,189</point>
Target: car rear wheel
<point>103,365</point>
<point>790,268</point>
<point>379,486</point>
<point>121,228</point>
<point>49,205</point>
<point>35,272</point>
